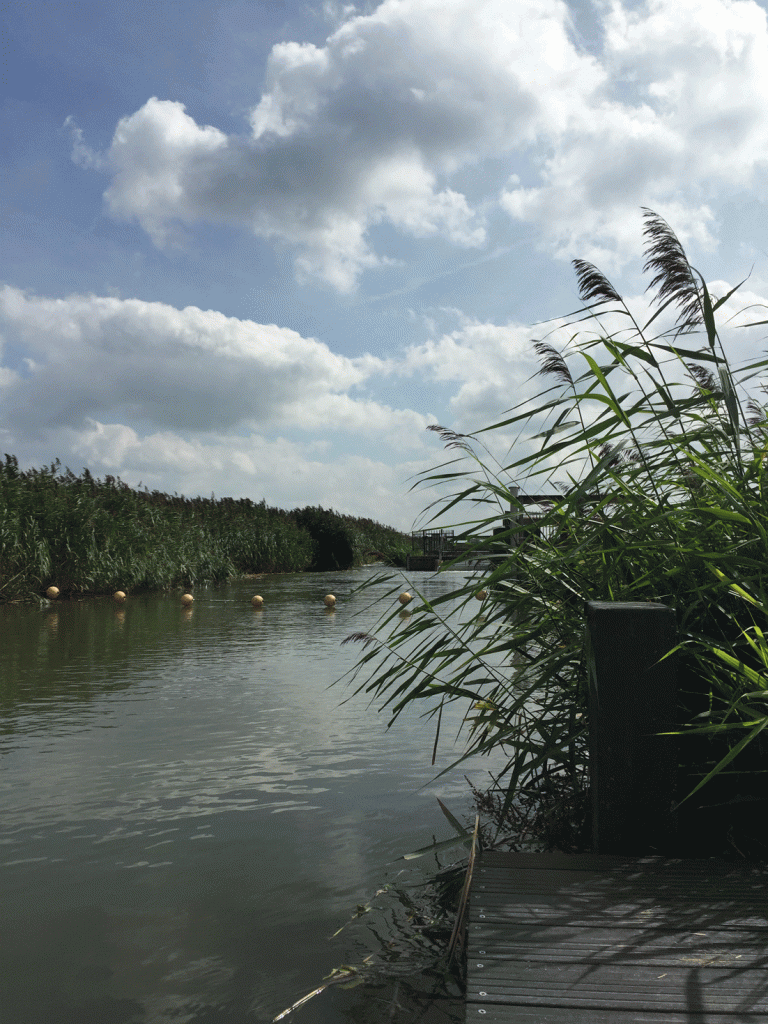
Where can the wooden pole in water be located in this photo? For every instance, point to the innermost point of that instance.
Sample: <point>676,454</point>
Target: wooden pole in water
<point>631,698</point>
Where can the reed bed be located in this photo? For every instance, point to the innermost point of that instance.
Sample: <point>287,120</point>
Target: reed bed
<point>86,535</point>
<point>657,445</point>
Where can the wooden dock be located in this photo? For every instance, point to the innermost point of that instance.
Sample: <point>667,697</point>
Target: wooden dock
<point>432,548</point>
<point>597,939</point>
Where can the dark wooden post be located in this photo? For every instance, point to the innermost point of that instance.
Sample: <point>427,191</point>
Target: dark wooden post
<point>631,697</point>
<point>508,521</point>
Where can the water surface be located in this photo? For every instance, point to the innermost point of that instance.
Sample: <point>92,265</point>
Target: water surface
<point>189,809</point>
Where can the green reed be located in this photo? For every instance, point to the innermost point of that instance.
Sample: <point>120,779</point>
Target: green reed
<point>659,453</point>
<point>85,535</point>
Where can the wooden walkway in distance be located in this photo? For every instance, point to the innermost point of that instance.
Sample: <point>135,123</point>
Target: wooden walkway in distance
<point>594,939</point>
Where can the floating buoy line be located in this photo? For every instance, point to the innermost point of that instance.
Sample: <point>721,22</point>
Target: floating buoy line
<point>257,600</point>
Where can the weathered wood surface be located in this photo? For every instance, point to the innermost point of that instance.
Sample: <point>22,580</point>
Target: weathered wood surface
<point>594,939</point>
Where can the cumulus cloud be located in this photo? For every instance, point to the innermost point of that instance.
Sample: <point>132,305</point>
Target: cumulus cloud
<point>365,129</point>
<point>690,119</point>
<point>194,401</point>
<point>252,464</point>
<point>490,365</point>
<point>159,156</point>
<point>494,372</point>
<point>181,369</point>
<point>7,375</point>
<point>371,126</point>
<point>82,154</point>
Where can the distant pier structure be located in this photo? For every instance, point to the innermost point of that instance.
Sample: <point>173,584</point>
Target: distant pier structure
<point>433,547</point>
<point>430,549</point>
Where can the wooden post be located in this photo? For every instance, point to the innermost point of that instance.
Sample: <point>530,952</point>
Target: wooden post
<point>631,697</point>
<point>514,490</point>
<point>508,522</point>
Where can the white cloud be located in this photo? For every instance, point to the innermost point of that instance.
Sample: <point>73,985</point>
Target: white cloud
<point>183,369</point>
<point>495,370</point>
<point>154,154</point>
<point>287,473</point>
<point>491,363</point>
<point>362,130</point>
<point>194,401</point>
<point>7,375</point>
<point>370,128</point>
<point>691,120</point>
<point>82,154</point>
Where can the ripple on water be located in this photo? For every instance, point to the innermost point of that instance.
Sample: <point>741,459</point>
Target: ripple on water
<point>184,798</point>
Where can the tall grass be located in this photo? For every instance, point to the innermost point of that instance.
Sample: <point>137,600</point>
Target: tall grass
<point>341,541</point>
<point>86,535</point>
<point>659,450</point>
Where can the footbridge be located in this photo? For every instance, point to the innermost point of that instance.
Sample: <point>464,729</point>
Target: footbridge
<point>431,548</point>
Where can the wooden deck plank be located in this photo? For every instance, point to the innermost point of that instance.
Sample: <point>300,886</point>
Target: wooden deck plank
<point>559,939</point>
<point>500,1014</point>
<point>659,946</point>
<point>533,909</point>
<point>622,987</point>
<point>606,863</point>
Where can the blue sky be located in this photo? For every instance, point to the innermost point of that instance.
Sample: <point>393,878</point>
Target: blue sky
<point>256,248</point>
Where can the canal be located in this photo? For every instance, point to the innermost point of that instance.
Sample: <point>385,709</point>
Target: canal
<point>190,809</point>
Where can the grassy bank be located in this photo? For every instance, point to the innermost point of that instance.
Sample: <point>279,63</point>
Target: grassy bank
<point>90,536</point>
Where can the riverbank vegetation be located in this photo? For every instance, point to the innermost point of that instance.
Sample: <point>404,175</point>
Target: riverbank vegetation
<point>91,536</point>
<point>653,446</point>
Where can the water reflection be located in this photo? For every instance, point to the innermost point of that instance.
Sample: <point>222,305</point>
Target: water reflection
<point>189,808</point>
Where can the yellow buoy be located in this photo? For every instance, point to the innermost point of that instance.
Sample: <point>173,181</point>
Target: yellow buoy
<point>481,595</point>
<point>187,599</point>
<point>405,598</point>
<point>257,600</point>
<point>52,592</point>
<point>119,595</point>
<point>330,600</point>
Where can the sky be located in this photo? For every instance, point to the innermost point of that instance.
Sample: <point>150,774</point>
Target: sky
<point>256,248</point>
